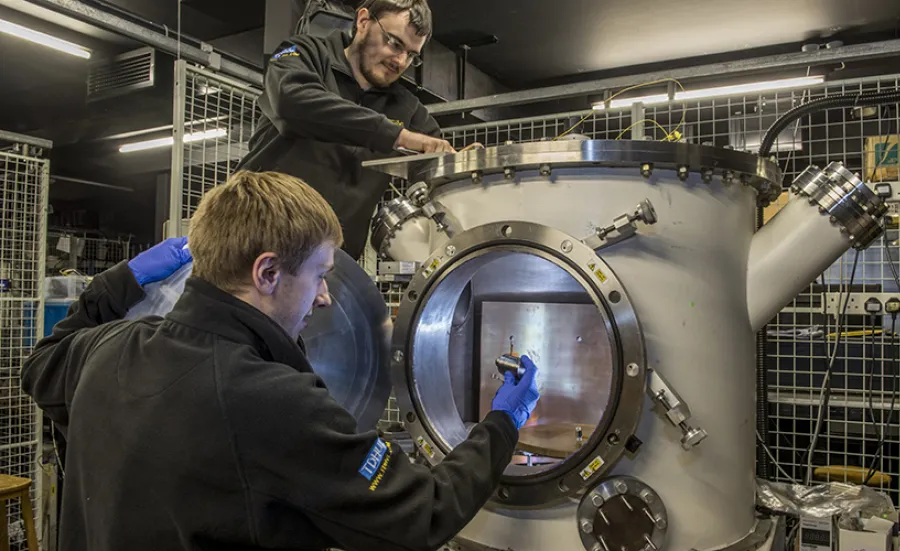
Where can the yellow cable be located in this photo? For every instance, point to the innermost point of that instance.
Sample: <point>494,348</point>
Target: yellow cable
<point>630,88</point>
<point>622,133</point>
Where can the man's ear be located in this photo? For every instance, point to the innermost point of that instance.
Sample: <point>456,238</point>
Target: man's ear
<point>266,273</point>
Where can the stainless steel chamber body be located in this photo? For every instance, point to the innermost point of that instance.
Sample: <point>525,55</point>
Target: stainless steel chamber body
<point>549,249</point>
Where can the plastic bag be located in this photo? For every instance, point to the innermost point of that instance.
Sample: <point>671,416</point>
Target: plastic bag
<point>823,501</point>
<point>161,296</point>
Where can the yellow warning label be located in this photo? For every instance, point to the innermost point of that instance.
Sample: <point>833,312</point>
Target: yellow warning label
<point>432,267</point>
<point>425,446</point>
<point>592,468</point>
<point>597,272</point>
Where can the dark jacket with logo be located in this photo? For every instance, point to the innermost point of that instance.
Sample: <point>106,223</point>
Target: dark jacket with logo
<point>319,125</point>
<point>208,430</point>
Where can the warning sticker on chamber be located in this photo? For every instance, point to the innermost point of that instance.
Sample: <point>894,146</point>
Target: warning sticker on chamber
<point>425,447</point>
<point>597,272</point>
<point>592,468</point>
<point>432,267</point>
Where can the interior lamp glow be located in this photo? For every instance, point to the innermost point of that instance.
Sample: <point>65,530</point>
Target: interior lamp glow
<point>169,141</point>
<point>30,35</point>
<point>719,91</point>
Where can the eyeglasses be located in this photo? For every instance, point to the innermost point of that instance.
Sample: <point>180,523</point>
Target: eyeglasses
<point>396,45</point>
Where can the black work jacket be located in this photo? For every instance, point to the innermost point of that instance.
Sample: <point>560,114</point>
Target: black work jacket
<point>208,430</point>
<point>318,124</point>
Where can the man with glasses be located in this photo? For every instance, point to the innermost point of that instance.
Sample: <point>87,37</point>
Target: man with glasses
<point>330,104</point>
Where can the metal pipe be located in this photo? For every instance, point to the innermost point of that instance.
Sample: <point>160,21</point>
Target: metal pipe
<point>89,183</point>
<point>26,140</point>
<point>781,62</point>
<point>118,25</point>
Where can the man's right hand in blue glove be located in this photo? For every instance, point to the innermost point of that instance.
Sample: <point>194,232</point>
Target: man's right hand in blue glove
<point>160,261</point>
<point>518,399</point>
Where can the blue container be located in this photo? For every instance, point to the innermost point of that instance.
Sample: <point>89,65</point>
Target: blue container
<point>55,310</point>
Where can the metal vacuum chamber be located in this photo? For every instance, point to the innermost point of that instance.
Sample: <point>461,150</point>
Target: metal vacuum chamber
<point>631,274</point>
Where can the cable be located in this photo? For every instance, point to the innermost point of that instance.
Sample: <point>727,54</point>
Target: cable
<point>825,395</point>
<point>871,379</point>
<point>774,461</point>
<point>879,453</point>
<point>844,100</point>
<point>887,251</point>
<point>666,132</point>
<point>619,93</point>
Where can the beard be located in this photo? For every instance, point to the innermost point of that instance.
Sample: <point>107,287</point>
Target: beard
<point>369,53</point>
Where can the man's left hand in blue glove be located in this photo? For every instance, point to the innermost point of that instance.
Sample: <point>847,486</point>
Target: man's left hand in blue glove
<point>160,261</point>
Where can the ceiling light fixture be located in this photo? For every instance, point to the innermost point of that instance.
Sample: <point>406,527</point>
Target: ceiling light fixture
<point>30,35</point>
<point>719,91</point>
<point>169,141</point>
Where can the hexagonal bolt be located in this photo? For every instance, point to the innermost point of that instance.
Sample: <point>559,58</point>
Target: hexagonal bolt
<point>450,250</point>
<point>660,523</point>
<point>596,547</point>
<point>683,173</point>
<point>587,526</point>
<point>597,500</point>
<point>728,177</point>
<point>509,142</point>
<point>545,170</point>
<point>707,175</point>
<point>476,177</point>
<point>509,173</point>
<point>647,497</point>
<point>646,170</point>
<point>566,246</point>
<point>620,487</point>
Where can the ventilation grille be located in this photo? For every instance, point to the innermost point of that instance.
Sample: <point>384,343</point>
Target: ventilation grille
<point>122,74</point>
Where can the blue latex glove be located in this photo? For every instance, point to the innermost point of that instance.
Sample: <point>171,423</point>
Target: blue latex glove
<point>160,261</point>
<point>518,399</point>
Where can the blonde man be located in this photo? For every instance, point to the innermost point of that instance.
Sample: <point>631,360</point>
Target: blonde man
<point>208,430</point>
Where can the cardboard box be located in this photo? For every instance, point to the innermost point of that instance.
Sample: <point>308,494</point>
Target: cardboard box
<point>882,163</point>
<point>876,537</point>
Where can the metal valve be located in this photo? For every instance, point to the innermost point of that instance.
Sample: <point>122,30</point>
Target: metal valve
<point>420,197</point>
<point>623,226</point>
<point>676,410</point>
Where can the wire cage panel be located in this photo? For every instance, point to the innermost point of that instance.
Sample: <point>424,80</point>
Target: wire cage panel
<point>24,183</point>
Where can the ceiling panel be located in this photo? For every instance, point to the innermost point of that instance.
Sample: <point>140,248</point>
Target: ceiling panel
<point>544,40</point>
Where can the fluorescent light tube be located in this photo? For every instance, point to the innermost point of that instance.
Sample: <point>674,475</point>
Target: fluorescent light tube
<point>767,86</point>
<point>169,141</point>
<point>44,39</point>
<point>719,91</point>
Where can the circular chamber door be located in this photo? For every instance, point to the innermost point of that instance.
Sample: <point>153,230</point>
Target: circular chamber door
<point>527,289</point>
<point>347,344</point>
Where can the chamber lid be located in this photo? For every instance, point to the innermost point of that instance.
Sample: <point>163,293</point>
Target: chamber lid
<point>348,343</point>
<point>438,169</point>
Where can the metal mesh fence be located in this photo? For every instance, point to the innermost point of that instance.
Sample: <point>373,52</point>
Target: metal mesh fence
<point>24,183</point>
<point>859,432</point>
<point>214,120</point>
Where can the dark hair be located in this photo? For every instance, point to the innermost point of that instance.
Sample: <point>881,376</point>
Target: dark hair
<point>419,13</point>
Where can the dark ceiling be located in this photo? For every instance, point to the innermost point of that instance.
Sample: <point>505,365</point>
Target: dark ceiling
<point>539,41</point>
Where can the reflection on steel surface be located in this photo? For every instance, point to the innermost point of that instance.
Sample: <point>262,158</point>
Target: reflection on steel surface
<point>570,345</point>
<point>347,344</point>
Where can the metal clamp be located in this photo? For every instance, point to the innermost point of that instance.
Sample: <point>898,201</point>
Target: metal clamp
<point>623,226</point>
<point>420,197</point>
<point>389,219</point>
<point>676,409</point>
<point>844,197</point>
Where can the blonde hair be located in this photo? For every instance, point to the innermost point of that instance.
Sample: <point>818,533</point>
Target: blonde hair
<point>254,213</point>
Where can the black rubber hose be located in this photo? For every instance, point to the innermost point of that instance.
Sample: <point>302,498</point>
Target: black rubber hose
<point>867,99</point>
<point>763,467</point>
